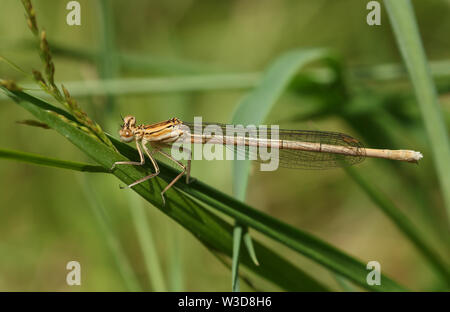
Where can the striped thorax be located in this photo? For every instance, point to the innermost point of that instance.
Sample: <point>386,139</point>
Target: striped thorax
<point>164,132</point>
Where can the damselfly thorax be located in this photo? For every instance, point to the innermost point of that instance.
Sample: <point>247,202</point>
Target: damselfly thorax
<point>296,148</point>
<point>158,136</point>
<point>163,132</point>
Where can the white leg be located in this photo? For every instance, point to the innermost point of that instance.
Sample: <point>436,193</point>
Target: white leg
<point>188,169</point>
<point>136,163</point>
<point>155,165</point>
<point>177,177</point>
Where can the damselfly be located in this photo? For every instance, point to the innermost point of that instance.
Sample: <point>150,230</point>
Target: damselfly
<point>295,148</point>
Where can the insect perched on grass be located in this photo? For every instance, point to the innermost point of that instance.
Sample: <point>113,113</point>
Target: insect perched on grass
<point>296,148</point>
<point>160,135</point>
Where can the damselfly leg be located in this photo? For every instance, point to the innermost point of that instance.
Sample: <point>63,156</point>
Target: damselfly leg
<point>184,170</point>
<point>154,163</point>
<point>136,163</point>
<point>157,149</point>
<point>141,162</point>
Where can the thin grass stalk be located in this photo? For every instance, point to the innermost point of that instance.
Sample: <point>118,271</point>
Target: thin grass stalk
<point>147,243</point>
<point>401,15</point>
<point>119,256</point>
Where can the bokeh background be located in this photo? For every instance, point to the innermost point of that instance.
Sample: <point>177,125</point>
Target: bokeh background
<point>48,216</point>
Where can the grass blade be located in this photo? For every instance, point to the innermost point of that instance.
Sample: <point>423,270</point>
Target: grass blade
<point>406,32</point>
<point>114,244</point>
<point>147,243</point>
<point>175,268</point>
<point>127,86</point>
<point>107,61</point>
<point>50,162</point>
<point>144,63</point>
<point>237,239</point>
<point>249,245</point>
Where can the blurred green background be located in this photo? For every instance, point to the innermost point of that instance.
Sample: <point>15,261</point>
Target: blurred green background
<point>47,219</point>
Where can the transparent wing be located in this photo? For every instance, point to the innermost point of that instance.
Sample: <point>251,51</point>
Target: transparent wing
<point>291,158</point>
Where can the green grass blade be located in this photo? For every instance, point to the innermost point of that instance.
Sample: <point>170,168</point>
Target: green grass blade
<point>147,243</point>
<point>175,266</point>
<point>151,64</point>
<point>127,86</point>
<point>406,31</point>
<point>222,259</point>
<point>113,242</point>
<point>249,245</point>
<point>50,162</point>
<point>14,66</point>
<point>211,230</point>
<point>107,61</point>
<point>146,63</point>
<point>240,233</point>
<point>344,283</point>
<point>237,239</point>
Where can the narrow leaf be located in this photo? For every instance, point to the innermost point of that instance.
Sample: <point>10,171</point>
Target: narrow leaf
<point>50,162</point>
<point>237,238</point>
<point>401,15</point>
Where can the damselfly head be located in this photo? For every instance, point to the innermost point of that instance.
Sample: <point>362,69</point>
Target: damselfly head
<point>126,132</point>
